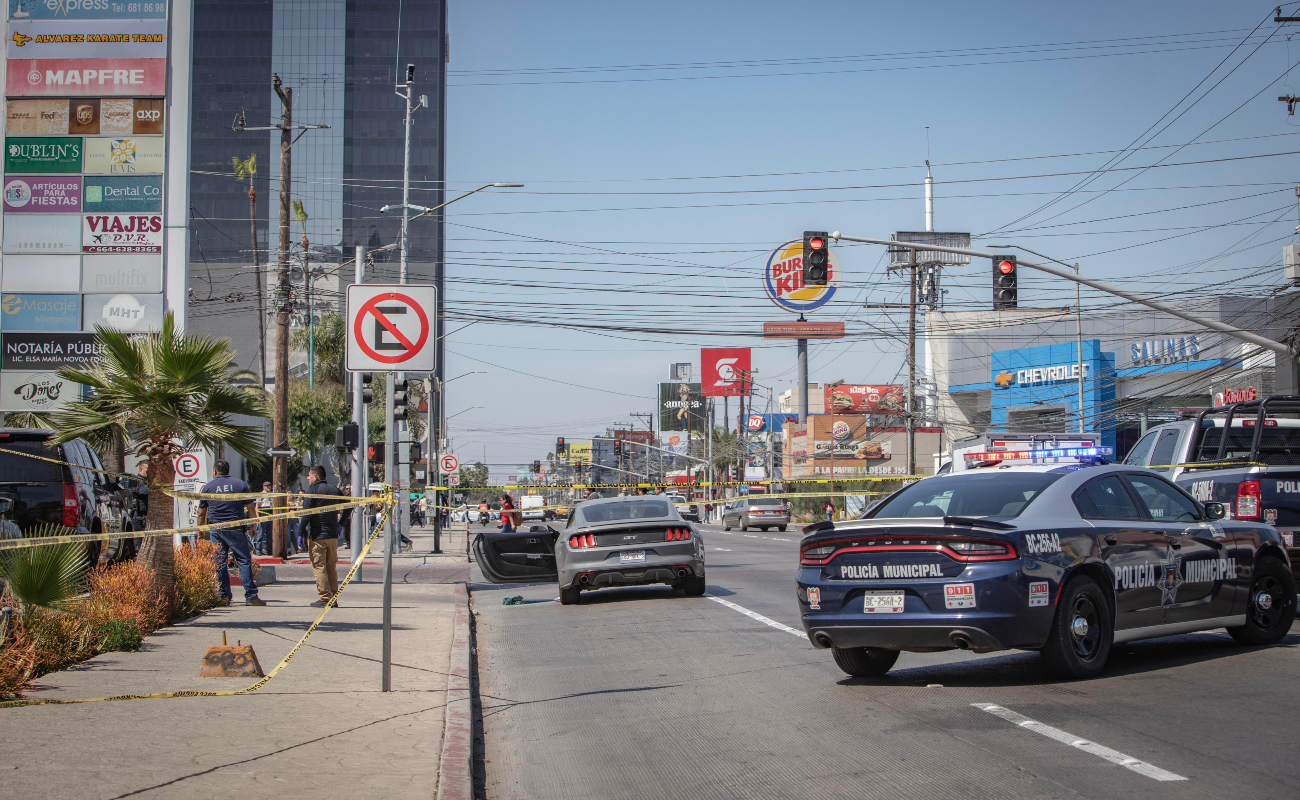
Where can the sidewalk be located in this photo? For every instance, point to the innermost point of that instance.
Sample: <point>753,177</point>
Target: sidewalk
<point>321,729</point>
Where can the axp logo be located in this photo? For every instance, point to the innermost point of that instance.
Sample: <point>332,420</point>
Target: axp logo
<point>783,279</point>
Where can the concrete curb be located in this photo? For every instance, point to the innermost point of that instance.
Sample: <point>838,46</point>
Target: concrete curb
<point>455,767</point>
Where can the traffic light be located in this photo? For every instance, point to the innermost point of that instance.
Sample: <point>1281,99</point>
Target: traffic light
<point>561,450</point>
<point>399,400</point>
<point>367,394</point>
<point>1004,283</point>
<point>618,448</point>
<point>416,452</point>
<point>816,258</point>
<point>577,465</point>
<point>537,467</point>
<point>348,436</point>
<point>375,452</point>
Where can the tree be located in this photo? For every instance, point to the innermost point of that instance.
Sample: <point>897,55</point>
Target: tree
<point>329,342</point>
<point>248,169</point>
<point>314,414</point>
<point>163,391</point>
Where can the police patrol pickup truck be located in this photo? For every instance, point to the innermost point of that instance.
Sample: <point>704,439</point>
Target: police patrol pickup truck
<point>1254,470</point>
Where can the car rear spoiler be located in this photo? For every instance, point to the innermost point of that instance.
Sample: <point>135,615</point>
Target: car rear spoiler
<point>962,522</point>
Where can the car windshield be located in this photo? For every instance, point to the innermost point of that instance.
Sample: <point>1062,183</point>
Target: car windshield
<point>766,501</point>
<point>632,509</point>
<point>979,494</point>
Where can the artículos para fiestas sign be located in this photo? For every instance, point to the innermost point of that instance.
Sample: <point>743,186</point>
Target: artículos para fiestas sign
<point>31,194</point>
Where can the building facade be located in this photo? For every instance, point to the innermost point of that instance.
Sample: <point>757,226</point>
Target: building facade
<point>342,59</point>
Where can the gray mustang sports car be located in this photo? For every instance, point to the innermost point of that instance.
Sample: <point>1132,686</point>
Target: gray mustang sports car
<point>622,541</point>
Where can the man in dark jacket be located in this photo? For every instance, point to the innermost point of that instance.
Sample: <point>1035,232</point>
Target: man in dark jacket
<point>230,541</point>
<point>322,534</point>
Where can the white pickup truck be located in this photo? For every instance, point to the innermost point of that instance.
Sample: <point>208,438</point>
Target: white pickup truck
<point>533,507</point>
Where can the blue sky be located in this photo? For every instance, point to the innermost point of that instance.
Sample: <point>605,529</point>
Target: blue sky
<point>594,105</point>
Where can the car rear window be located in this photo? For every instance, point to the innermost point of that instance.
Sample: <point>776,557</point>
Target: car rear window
<point>20,469</point>
<point>632,509</point>
<point>766,501</point>
<point>979,494</point>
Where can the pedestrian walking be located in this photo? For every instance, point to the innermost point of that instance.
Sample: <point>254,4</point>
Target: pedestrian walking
<point>829,508</point>
<point>233,540</point>
<point>510,518</point>
<point>321,530</point>
<point>265,506</point>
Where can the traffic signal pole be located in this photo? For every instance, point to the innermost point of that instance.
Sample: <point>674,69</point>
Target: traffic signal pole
<point>360,468</point>
<point>390,540</point>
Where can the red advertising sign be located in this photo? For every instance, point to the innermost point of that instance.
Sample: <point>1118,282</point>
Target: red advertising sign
<point>86,77</point>
<point>642,437</point>
<point>846,399</point>
<point>803,330</point>
<point>727,371</point>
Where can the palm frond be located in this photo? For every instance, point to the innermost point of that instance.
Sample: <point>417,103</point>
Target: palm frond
<point>45,576</point>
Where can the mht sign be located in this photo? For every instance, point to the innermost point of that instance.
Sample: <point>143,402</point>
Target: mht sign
<point>391,327</point>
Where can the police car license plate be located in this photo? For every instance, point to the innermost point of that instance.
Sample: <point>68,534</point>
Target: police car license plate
<point>631,556</point>
<point>882,603</point>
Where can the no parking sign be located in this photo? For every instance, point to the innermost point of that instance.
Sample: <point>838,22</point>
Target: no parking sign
<point>390,327</point>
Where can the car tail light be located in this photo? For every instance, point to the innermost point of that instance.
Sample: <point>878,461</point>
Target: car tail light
<point>677,534</point>
<point>1250,423</point>
<point>1248,495</point>
<point>582,540</point>
<point>69,505</point>
<point>964,550</point>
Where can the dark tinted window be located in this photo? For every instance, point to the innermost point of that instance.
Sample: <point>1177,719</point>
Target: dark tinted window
<point>968,494</point>
<point>16,468</point>
<point>1107,499</point>
<point>1164,503</point>
<point>1162,455</point>
<point>632,509</point>
<point>766,501</point>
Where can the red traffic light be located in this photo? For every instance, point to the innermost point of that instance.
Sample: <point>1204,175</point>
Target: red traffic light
<point>1006,267</point>
<point>816,244</point>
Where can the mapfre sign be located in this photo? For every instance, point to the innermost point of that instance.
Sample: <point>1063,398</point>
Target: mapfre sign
<point>390,327</point>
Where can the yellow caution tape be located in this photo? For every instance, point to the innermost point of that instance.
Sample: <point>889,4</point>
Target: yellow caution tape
<point>230,693</point>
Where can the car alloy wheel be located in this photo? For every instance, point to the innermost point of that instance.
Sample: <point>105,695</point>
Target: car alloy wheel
<point>1084,628</point>
<point>1271,604</point>
<point>1267,598</point>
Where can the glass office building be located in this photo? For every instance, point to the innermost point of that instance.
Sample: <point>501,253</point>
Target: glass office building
<point>342,59</point>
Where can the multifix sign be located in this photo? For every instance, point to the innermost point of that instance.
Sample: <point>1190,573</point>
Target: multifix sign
<point>123,193</point>
<point>74,77</point>
<point>783,279</point>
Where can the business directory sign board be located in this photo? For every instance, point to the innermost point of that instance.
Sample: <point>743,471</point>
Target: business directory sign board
<point>123,193</point>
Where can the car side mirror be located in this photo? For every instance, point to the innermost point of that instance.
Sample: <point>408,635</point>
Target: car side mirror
<point>6,505</point>
<point>1215,511</point>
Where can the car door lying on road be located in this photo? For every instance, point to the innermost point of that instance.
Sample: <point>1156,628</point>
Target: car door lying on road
<point>1133,548</point>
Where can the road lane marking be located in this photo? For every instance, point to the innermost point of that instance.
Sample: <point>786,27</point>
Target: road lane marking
<point>754,615</point>
<point>1113,756</point>
<point>722,549</point>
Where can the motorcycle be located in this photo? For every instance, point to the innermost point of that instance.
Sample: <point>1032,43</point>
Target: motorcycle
<point>483,518</point>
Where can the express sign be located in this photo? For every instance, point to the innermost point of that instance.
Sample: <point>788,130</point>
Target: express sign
<point>783,279</point>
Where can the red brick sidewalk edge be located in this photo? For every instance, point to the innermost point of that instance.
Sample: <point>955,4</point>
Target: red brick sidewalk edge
<point>455,768</point>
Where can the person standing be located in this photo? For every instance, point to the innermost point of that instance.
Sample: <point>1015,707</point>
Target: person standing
<point>262,541</point>
<point>232,540</point>
<point>829,508</point>
<point>509,517</point>
<point>321,532</point>
<point>345,519</point>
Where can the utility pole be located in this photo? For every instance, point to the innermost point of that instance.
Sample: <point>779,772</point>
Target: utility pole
<point>911,367</point>
<point>361,468</point>
<point>390,534</point>
<point>280,420</point>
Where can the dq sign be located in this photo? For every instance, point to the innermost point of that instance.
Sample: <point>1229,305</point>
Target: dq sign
<point>783,279</point>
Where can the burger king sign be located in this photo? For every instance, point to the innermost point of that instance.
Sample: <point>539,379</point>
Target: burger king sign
<point>783,279</point>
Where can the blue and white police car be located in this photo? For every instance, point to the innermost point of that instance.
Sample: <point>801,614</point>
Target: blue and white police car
<point>1027,552</point>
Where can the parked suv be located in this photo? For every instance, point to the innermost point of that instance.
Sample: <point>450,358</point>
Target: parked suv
<point>759,512</point>
<point>74,496</point>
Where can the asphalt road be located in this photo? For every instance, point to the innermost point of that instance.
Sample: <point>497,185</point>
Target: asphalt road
<point>642,692</point>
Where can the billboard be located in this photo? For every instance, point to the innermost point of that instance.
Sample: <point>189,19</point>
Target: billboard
<point>783,279</point>
<point>85,116</point>
<point>35,391</point>
<point>122,233</point>
<point>124,156</point>
<point>75,77</point>
<point>114,273</point>
<point>40,312</point>
<point>643,437</point>
<point>47,351</point>
<point>579,451</point>
<point>42,155</point>
<point>85,9</point>
<point>681,407</point>
<point>673,443</point>
<point>39,38</point>
<point>41,233</point>
<point>857,399</point>
<point>727,371</point>
<point>848,439</point>
<point>26,273</point>
<point>123,193</point>
<point>124,312</point>
<point>26,195</point>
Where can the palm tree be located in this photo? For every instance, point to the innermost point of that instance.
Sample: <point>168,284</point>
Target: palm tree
<point>247,169</point>
<point>163,391</point>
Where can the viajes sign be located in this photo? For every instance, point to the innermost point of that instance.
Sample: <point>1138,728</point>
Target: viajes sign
<point>42,155</point>
<point>122,233</point>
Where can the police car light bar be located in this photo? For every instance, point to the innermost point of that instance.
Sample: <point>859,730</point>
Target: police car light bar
<point>1024,455</point>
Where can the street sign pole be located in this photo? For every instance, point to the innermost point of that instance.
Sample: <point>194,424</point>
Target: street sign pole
<point>390,456</point>
<point>360,465</point>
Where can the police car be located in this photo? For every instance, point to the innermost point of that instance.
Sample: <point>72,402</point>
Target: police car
<point>1031,551</point>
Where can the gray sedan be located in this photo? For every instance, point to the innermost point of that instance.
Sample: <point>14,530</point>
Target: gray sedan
<point>757,512</point>
<point>622,541</point>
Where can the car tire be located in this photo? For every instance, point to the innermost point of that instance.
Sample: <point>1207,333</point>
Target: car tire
<point>693,586</point>
<point>570,596</point>
<point>1267,625</point>
<point>781,528</point>
<point>1068,654</point>
<point>864,662</point>
<point>725,526</point>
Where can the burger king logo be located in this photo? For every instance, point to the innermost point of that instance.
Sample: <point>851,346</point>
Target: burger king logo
<point>840,430</point>
<point>783,279</point>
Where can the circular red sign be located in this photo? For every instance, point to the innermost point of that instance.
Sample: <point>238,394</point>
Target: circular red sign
<point>369,309</point>
<point>187,466</point>
<point>448,463</point>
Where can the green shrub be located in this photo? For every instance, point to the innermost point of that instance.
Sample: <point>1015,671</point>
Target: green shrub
<point>196,580</point>
<point>119,635</point>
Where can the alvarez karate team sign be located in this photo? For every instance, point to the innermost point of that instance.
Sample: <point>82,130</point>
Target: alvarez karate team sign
<point>390,327</point>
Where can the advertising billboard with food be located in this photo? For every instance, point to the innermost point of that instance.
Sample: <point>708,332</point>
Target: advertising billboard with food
<point>727,371</point>
<point>859,399</point>
<point>681,407</point>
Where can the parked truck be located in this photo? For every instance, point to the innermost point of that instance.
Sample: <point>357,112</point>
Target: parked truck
<point>1244,455</point>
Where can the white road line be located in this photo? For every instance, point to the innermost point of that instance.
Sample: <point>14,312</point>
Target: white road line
<point>754,615</point>
<point>723,549</point>
<point>1113,756</point>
